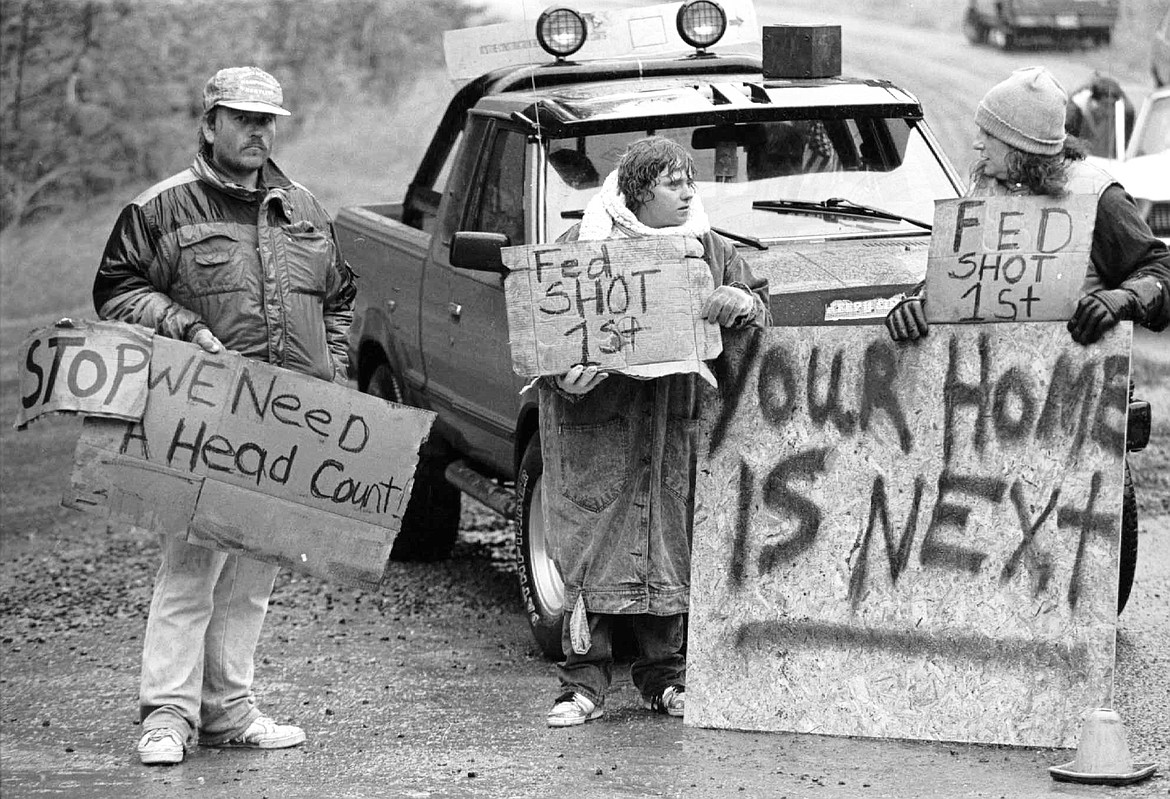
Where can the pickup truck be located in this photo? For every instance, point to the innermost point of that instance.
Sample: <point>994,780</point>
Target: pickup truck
<point>1144,167</point>
<point>821,180</point>
<point>1011,23</point>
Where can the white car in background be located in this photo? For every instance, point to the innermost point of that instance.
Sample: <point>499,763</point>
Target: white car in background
<point>1144,170</point>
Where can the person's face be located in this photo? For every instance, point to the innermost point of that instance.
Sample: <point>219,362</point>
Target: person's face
<point>992,155</point>
<point>670,200</point>
<point>241,142</point>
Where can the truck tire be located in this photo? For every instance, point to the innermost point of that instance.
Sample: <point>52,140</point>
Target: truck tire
<point>541,588</point>
<point>973,28</point>
<point>1129,542</point>
<point>430,524</point>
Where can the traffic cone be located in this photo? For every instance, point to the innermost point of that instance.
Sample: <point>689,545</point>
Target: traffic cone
<point>1102,754</point>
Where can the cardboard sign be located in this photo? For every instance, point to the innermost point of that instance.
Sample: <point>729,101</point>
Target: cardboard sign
<point>618,303</point>
<point>1008,259</point>
<point>642,31</point>
<point>242,456</point>
<point>95,368</point>
<point>910,541</point>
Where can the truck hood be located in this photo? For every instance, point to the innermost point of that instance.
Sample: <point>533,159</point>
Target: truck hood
<point>1146,177</point>
<point>839,282</point>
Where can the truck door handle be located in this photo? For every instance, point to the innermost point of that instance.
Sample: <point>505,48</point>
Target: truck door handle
<point>455,309</point>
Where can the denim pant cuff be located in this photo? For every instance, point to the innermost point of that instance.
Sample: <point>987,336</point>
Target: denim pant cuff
<point>234,730</point>
<point>166,718</point>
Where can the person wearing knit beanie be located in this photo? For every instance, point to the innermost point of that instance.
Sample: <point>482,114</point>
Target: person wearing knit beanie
<point>1024,150</point>
<point>1026,111</point>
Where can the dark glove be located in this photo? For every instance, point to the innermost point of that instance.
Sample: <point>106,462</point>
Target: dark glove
<point>906,321</point>
<point>1099,311</point>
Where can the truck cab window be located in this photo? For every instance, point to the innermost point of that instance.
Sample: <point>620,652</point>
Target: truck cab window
<point>499,204</point>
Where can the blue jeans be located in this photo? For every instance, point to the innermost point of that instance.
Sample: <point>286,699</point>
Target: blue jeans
<point>660,662</point>
<point>197,655</point>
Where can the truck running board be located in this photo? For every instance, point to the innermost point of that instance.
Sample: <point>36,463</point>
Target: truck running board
<point>500,499</point>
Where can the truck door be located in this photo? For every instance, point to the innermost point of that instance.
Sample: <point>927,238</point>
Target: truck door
<point>476,373</point>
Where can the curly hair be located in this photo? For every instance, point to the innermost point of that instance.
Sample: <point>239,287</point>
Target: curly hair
<point>1041,174</point>
<point>643,162</point>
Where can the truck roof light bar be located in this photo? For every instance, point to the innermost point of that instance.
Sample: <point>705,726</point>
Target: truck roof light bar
<point>560,31</point>
<point>701,23</point>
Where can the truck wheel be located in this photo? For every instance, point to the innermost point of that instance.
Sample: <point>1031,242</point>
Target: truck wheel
<point>430,524</point>
<point>541,587</point>
<point>1129,542</point>
<point>973,29</point>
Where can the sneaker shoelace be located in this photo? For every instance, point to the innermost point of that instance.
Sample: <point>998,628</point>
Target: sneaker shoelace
<point>575,698</point>
<point>161,733</point>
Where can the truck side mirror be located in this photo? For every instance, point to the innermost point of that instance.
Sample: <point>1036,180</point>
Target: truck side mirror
<point>479,252</point>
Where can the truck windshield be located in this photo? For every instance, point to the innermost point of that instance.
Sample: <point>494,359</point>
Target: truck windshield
<point>742,169</point>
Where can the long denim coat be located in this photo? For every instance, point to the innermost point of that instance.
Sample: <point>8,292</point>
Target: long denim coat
<point>619,475</point>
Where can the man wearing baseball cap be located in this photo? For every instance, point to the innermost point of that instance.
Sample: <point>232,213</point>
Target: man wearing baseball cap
<point>1023,149</point>
<point>231,255</point>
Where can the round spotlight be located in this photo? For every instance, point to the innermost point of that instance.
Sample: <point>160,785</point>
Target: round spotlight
<point>560,31</point>
<point>701,23</point>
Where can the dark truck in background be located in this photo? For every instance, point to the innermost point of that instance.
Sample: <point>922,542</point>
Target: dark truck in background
<point>822,181</point>
<point>1010,23</point>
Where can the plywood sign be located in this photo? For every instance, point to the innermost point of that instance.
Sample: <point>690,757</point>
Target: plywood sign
<point>245,457</point>
<point>617,303</point>
<point>909,541</point>
<point>95,368</point>
<point>1008,259</point>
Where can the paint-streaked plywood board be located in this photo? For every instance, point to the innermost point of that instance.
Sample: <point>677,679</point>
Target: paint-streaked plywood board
<point>909,541</point>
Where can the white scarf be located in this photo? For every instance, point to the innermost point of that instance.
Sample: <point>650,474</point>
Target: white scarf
<point>607,216</point>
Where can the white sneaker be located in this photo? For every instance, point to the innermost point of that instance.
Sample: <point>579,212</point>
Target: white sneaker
<point>672,701</point>
<point>160,747</point>
<point>571,708</point>
<point>264,733</point>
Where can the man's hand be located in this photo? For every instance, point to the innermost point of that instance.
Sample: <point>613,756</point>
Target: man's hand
<point>728,306</point>
<point>581,379</point>
<point>906,321</point>
<point>207,340</point>
<point>1099,311</point>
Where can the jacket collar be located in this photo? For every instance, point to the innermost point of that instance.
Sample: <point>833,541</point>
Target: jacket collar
<point>273,182</point>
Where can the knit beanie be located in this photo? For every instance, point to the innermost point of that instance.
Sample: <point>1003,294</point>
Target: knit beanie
<point>1026,111</point>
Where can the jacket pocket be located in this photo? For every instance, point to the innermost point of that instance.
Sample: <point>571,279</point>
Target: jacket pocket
<point>309,254</point>
<point>595,463</point>
<point>209,260</point>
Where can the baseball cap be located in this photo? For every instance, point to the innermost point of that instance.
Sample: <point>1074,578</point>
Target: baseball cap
<point>246,89</point>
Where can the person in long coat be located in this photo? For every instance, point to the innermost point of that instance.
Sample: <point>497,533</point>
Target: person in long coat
<point>619,455</point>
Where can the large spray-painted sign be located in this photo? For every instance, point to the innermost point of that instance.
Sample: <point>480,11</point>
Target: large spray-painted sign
<point>910,541</point>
